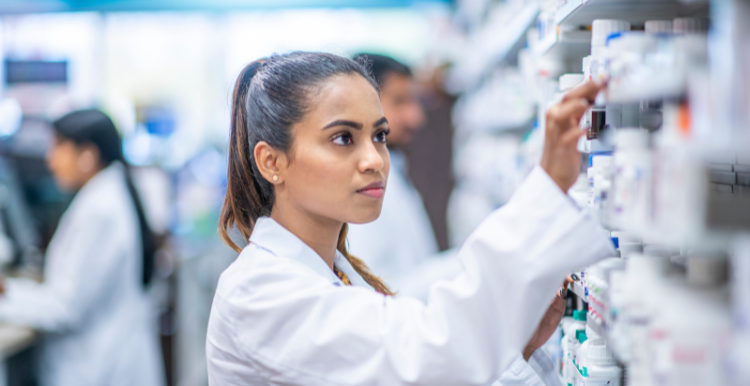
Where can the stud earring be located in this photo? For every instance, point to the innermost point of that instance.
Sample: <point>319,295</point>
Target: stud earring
<point>275,178</point>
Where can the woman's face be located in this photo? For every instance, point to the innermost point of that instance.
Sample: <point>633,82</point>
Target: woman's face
<point>71,165</point>
<point>338,164</point>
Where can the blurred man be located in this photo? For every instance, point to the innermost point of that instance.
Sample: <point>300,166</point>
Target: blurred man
<point>400,245</point>
<point>401,239</point>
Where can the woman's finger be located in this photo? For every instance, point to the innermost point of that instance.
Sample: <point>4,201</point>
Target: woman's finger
<point>585,91</point>
<point>571,136</point>
<point>562,293</point>
<point>563,115</point>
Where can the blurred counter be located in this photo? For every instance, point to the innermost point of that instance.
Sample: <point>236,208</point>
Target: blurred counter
<point>14,338</point>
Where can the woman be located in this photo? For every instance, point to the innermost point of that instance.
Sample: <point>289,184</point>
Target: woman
<point>93,304</point>
<point>307,156</point>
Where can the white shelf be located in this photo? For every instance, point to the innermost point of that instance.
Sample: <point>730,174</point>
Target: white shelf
<point>582,12</point>
<point>566,45</point>
<point>566,10</point>
<point>493,43</point>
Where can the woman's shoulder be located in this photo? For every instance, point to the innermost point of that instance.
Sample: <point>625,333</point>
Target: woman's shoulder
<point>258,274</point>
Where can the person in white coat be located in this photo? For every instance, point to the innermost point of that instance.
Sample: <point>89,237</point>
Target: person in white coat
<point>400,245</point>
<point>307,156</point>
<point>401,240</point>
<point>93,306</point>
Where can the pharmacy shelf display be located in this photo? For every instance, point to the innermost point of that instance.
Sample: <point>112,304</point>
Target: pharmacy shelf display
<point>668,176</point>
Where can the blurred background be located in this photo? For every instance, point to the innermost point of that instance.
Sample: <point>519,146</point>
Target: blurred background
<point>485,71</point>
<point>164,72</point>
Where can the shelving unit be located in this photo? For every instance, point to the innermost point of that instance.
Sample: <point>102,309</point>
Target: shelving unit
<point>566,44</point>
<point>697,147</point>
<point>497,41</point>
<point>582,12</point>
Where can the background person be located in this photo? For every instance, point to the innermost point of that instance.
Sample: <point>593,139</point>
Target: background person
<point>93,305</point>
<point>401,240</point>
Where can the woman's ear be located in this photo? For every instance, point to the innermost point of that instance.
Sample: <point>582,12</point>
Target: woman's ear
<point>89,159</point>
<point>271,162</point>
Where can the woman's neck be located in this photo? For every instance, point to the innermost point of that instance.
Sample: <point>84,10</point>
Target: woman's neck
<point>319,233</point>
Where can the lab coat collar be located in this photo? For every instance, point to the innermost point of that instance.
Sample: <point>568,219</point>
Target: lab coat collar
<point>271,236</point>
<point>101,180</point>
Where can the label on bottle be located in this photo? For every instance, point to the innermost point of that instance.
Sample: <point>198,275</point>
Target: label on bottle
<point>598,123</point>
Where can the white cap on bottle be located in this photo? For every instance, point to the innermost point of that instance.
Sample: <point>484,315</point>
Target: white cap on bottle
<point>586,65</point>
<point>568,81</point>
<point>689,25</point>
<point>658,26</point>
<point>599,354</point>
<point>602,28</point>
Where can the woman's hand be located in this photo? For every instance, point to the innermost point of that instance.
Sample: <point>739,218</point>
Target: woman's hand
<point>561,159</point>
<point>549,322</point>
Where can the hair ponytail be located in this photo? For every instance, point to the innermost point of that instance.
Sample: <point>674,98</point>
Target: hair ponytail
<point>244,202</point>
<point>374,281</point>
<point>270,95</point>
<point>148,240</point>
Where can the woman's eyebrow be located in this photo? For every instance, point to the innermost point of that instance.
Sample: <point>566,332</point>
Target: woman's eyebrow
<point>343,122</point>
<point>380,122</point>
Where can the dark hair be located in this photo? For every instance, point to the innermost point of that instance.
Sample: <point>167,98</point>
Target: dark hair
<point>95,128</point>
<point>381,66</point>
<point>270,96</point>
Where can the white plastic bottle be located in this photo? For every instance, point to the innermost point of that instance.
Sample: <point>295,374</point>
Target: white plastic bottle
<point>601,30</point>
<point>643,273</point>
<point>616,326</point>
<point>631,194</point>
<point>599,277</point>
<point>581,354</point>
<point>600,182</point>
<point>571,345</point>
<point>698,328</point>
<point>601,369</point>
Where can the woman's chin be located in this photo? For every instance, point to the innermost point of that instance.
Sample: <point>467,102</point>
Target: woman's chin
<point>365,216</point>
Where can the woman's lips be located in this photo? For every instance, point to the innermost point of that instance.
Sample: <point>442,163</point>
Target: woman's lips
<point>374,190</point>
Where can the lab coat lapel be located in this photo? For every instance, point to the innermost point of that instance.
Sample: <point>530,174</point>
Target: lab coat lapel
<point>271,236</point>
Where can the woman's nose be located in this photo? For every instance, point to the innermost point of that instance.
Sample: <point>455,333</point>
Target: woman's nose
<point>370,158</point>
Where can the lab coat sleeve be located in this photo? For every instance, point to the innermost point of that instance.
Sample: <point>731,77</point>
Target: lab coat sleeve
<point>469,332</point>
<point>58,304</point>
<point>545,368</point>
<point>519,373</point>
<point>538,371</point>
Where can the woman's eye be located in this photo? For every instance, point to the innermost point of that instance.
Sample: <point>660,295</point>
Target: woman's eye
<point>343,139</point>
<point>381,136</point>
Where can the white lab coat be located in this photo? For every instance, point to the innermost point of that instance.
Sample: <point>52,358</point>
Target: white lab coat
<point>99,319</point>
<point>401,239</point>
<point>280,316</point>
